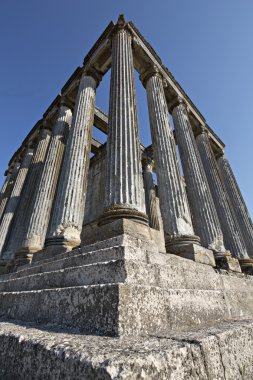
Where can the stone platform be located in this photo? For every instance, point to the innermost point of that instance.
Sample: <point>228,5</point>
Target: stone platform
<point>31,352</point>
<point>124,286</point>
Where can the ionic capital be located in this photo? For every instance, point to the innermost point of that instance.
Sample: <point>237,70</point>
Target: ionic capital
<point>65,102</point>
<point>147,164</point>
<point>149,73</point>
<point>201,130</point>
<point>178,100</point>
<point>91,71</point>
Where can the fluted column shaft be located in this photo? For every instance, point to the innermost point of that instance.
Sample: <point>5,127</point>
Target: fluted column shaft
<point>38,224</point>
<point>14,198</point>
<point>8,189</point>
<point>23,212</point>
<point>174,206</point>
<point>4,187</point>
<point>150,196</point>
<point>124,183</point>
<point>237,203</point>
<point>205,218</point>
<point>231,232</point>
<point>66,224</point>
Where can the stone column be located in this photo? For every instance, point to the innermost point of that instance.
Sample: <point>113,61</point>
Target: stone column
<point>174,206</point>
<point>14,198</point>
<point>205,218</point>
<point>66,224</point>
<point>4,187</point>
<point>237,203</point>
<point>23,212</point>
<point>38,224</point>
<point>231,232</point>
<point>150,194</point>
<point>8,188</point>
<point>124,195</point>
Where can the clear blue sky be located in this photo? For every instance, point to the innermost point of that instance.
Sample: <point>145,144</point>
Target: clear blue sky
<point>206,44</point>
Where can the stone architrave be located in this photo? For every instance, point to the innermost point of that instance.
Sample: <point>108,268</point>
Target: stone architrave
<point>237,203</point>
<point>37,229</point>
<point>68,212</point>
<point>23,212</point>
<point>173,200</point>
<point>14,197</point>
<point>5,195</point>
<point>205,218</point>
<point>124,194</point>
<point>150,194</point>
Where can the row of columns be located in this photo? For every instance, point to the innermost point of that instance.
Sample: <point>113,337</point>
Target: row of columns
<point>210,211</point>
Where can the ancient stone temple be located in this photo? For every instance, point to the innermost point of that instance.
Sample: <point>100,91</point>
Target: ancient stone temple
<point>104,273</point>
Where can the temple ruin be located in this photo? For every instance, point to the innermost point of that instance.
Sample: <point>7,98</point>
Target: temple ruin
<point>90,242</point>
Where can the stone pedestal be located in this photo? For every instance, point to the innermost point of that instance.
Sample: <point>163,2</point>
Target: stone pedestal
<point>124,193</point>
<point>68,212</point>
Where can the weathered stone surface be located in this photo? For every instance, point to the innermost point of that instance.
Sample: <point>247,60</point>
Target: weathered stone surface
<point>124,289</point>
<point>231,232</point>
<point>196,253</point>
<point>205,218</point>
<point>67,217</point>
<point>237,203</point>
<point>22,215</point>
<point>14,198</point>
<point>7,188</point>
<point>124,184</point>
<point>217,353</point>
<point>150,196</point>
<point>174,206</point>
<point>35,235</point>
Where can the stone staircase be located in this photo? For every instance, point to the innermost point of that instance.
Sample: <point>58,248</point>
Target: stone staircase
<point>124,286</point>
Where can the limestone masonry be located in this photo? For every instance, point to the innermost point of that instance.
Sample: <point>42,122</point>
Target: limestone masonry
<point>105,274</point>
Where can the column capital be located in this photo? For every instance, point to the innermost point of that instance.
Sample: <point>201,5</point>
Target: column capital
<point>150,72</point>
<point>201,130</point>
<point>91,71</point>
<point>47,125</point>
<point>176,101</point>
<point>147,164</point>
<point>65,102</point>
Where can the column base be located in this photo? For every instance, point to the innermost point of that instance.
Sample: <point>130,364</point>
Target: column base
<point>5,266</point>
<point>68,238</point>
<point>246,265</point>
<point>23,257</point>
<point>227,262</point>
<point>98,232</point>
<point>191,250</point>
<point>121,212</point>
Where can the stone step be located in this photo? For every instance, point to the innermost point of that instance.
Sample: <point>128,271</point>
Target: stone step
<point>77,259</point>
<point>222,352</point>
<point>114,271</point>
<point>90,274</point>
<point>126,309</point>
